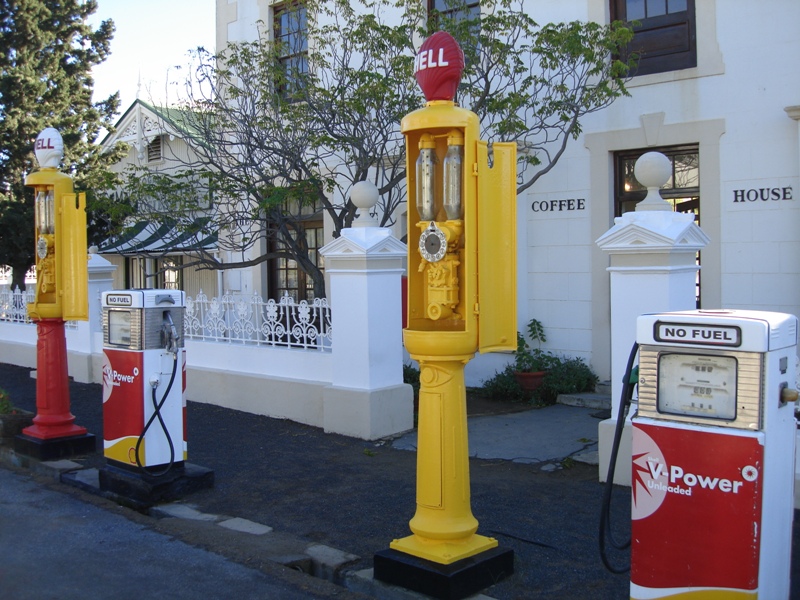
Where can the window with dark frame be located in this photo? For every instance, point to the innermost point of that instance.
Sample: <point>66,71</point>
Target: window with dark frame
<point>171,273</point>
<point>168,270</point>
<point>682,190</point>
<point>664,33</point>
<point>288,278</point>
<point>290,31</point>
<point>458,10</point>
<point>454,16</point>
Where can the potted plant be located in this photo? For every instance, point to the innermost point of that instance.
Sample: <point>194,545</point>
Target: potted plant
<point>532,364</point>
<point>12,420</point>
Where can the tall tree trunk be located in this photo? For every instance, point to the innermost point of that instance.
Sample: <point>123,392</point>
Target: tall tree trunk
<point>18,276</point>
<point>319,282</point>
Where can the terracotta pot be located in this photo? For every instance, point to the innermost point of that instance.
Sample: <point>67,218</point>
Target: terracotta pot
<point>12,424</point>
<point>530,382</point>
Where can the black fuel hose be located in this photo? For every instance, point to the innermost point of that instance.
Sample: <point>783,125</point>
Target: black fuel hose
<point>605,512</point>
<point>157,415</point>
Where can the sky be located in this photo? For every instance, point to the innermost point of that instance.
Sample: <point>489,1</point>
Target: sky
<point>151,38</point>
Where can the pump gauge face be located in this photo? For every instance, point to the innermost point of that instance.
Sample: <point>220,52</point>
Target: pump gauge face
<point>41,248</point>
<point>697,385</point>
<point>119,327</point>
<point>433,244</point>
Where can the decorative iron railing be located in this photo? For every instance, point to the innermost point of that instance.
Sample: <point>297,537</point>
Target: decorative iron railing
<point>238,319</point>
<point>13,304</point>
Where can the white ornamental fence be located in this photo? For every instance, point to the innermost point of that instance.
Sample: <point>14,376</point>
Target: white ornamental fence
<point>250,320</point>
<point>13,304</point>
<point>273,357</point>
<point>233,319</point>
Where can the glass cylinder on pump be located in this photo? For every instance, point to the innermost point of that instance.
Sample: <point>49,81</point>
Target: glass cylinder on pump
<point>453,170</point>
<point>45,211</point>
<point>425,178</point>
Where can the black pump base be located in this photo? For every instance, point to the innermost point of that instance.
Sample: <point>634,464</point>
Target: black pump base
<point>56,448</point>
<point>446,582</point>
<point>145,489</point>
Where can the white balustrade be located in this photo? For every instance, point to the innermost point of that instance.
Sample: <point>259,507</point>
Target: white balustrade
<point>251,320</point>
<point>13,304</point>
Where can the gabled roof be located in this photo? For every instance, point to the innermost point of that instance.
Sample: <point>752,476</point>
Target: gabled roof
<point>142,122</point>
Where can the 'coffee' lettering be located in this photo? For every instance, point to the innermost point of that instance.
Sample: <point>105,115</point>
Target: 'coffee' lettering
<point>559,205</point>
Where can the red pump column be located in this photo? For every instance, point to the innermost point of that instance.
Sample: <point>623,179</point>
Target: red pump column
<point>53,417</point>
<point>61,294</point>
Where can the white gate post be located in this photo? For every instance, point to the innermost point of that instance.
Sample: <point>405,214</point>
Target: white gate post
<point>652,257</point>
<point>85,344</point>
<point>367,397</point>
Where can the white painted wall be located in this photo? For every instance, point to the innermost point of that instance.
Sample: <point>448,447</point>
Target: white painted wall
<point>732,104</point>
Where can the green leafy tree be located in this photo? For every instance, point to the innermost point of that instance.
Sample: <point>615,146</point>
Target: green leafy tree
<point>280,145</point>
<point>48,52</point>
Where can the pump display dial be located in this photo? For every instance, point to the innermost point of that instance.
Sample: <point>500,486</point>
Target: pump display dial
<point>697,385</point>
<point>433,243</point>
<point>41,248</point>
<point>119,327</point>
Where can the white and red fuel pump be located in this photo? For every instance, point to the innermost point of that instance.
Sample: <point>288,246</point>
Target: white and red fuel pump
<point>144,401</point>
<point>713,455</point>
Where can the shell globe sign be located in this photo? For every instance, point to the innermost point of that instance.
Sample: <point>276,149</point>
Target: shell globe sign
<point>438,66</point>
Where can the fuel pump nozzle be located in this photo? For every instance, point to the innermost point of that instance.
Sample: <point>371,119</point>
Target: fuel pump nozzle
<point>169,333</point>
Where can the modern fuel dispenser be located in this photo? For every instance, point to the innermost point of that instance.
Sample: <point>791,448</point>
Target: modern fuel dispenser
<point>713,455</point>
<point>143,380</point>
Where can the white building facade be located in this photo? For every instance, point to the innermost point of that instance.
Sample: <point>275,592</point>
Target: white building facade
<point>717,99</point>
<point>154,142</point>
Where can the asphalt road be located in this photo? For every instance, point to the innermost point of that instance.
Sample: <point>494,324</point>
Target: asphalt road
<point>54,545</point>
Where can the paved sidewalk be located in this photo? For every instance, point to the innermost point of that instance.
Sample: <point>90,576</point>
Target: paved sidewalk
<point>543,437</point>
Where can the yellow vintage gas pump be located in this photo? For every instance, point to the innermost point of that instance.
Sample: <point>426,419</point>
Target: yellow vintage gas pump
<point>60,229</point>
<point>461,299</point>
<point>61,294</point>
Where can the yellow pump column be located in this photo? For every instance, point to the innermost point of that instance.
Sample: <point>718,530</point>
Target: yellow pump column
<point>461,300</point>
<point>444,529</point>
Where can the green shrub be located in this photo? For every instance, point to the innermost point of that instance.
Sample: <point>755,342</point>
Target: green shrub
<point>566,376</point>
<point>5,403</point>
<point>503,387</point>
<point>411,377</point>
<point>531,360</point>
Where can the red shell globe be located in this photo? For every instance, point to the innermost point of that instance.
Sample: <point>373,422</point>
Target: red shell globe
<point>438,66</point>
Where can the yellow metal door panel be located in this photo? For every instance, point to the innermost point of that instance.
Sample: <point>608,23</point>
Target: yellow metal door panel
<point>497,248</point>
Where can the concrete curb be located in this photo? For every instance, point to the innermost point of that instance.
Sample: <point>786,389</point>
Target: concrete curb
<point>312,558</point>
<point>586,400</point>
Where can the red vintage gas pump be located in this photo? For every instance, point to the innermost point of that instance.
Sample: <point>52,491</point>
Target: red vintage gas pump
<point>713,455</point>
